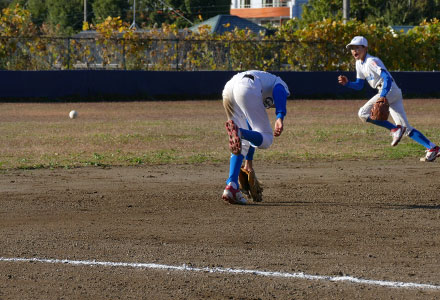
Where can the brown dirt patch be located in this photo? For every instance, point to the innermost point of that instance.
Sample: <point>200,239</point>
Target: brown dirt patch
<point>374,220</point>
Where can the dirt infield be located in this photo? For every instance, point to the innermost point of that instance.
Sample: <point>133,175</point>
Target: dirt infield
<point>375,220</point>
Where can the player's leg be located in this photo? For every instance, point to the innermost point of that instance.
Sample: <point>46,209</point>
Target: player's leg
<point>252,136</point>
<point>364,114</point>
<point>234,115</point>
<point>232,193</point>
<point>432,150</point>
<point>249,98</point>
<point>261,135</point>
<point>398,114</point>
<point>248,165</point>
<point>236,118</point>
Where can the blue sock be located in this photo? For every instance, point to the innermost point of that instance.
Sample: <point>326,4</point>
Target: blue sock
<point>421,139</point>
<point>254,137</point>
<point>234,168</point>
<point>386,124</point>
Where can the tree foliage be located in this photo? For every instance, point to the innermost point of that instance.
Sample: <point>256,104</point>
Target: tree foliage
<point>65,15</point>
<point>68,14</point>
<point>102,9</point>
<point>390,12</point>
<point>180,12</point>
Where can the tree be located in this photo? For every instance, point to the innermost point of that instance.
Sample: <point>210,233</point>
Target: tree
<point>206,8</point>
<point>38,10</point>
<point>110,8</point>
<point>153,13</point>
<point>317,10</point>
<point>4,3</point>
<point>180,12</point>
<point>66,15</point>
<point>382,12</point>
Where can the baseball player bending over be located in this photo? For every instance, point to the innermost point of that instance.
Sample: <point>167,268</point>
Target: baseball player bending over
<point>373,70</point>
<point>245,99</point>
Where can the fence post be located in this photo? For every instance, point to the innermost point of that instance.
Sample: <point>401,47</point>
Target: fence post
<point>124,66</point>
<point>177,55</point>
<point>68,53</point>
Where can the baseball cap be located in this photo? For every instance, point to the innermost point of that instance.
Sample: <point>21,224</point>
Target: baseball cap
<point>358,41</point>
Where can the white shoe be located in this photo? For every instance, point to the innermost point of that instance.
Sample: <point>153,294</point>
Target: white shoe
<point>233,195</point>
<point>397,134</point>
<point>431,154</point>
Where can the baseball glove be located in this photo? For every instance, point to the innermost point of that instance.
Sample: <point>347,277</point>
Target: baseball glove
<point>250,186</point>
<point>380,110</point>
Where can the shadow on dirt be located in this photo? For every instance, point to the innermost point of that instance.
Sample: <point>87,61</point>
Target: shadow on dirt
<point>413,206</point>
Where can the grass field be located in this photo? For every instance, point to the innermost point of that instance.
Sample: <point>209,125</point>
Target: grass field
<point>41,135</point>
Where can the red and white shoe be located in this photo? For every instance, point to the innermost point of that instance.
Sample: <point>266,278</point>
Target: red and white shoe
<point>397,134</point>
<point>234,137</point>
<point>431,154</point>
<point>232,194</point>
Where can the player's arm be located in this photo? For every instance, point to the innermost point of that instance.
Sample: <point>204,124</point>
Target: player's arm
<point>279,127</point>
<point>387,82</point>
<point>280,100</point>
<point>248,165</point>
<point>250,154</point>
<point>356,85</point>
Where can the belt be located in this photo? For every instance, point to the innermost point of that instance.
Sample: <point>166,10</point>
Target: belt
<point>250,76</point>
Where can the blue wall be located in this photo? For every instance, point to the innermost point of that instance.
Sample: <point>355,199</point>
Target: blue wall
<point>145,85</point>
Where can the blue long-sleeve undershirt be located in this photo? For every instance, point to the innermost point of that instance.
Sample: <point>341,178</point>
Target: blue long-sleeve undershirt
<point>387,82</point>
<point>356,85</point>
<point>280,98</point>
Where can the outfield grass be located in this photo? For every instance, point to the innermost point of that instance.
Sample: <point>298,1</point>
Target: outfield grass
<point>41,135</point>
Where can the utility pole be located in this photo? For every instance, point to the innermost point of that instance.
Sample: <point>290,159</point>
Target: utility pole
<point>345,10</point>
<point>85,11</point>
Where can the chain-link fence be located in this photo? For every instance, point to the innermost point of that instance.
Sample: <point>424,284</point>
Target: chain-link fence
<point>41,53</point>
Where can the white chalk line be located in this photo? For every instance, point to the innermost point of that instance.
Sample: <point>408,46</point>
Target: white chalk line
<point>393,284</point>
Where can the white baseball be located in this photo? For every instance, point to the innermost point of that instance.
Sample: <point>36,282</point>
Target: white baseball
<point>73,114</point>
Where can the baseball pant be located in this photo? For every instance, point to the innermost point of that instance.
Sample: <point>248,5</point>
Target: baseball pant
<point>397,110</point>
<point>244,96</point>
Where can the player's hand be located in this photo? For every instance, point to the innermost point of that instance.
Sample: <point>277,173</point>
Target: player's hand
<point>248,165</point>
<point>342,79</point>
<point>279,126</point>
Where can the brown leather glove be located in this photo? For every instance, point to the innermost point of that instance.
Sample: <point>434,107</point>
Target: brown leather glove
<point>250,186</point>
<point>380,110</point>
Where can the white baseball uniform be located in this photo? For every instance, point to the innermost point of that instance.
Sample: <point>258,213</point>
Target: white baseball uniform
<point>370,70</point>
<point>245,93</point>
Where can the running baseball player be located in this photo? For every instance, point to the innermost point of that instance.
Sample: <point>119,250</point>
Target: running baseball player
<point>372,70</point>
<point>245,99</point>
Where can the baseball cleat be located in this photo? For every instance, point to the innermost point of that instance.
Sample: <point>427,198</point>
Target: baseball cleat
<point>234,137</point>
<point>397,134</point>
<point>431,154</point>
<point>232,195</point>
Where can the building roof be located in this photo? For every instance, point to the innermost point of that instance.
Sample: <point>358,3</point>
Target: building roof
<point>219,24</point>
<point>404,28</point>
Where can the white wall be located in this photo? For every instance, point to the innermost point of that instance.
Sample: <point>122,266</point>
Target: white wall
<point>296,5</point>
